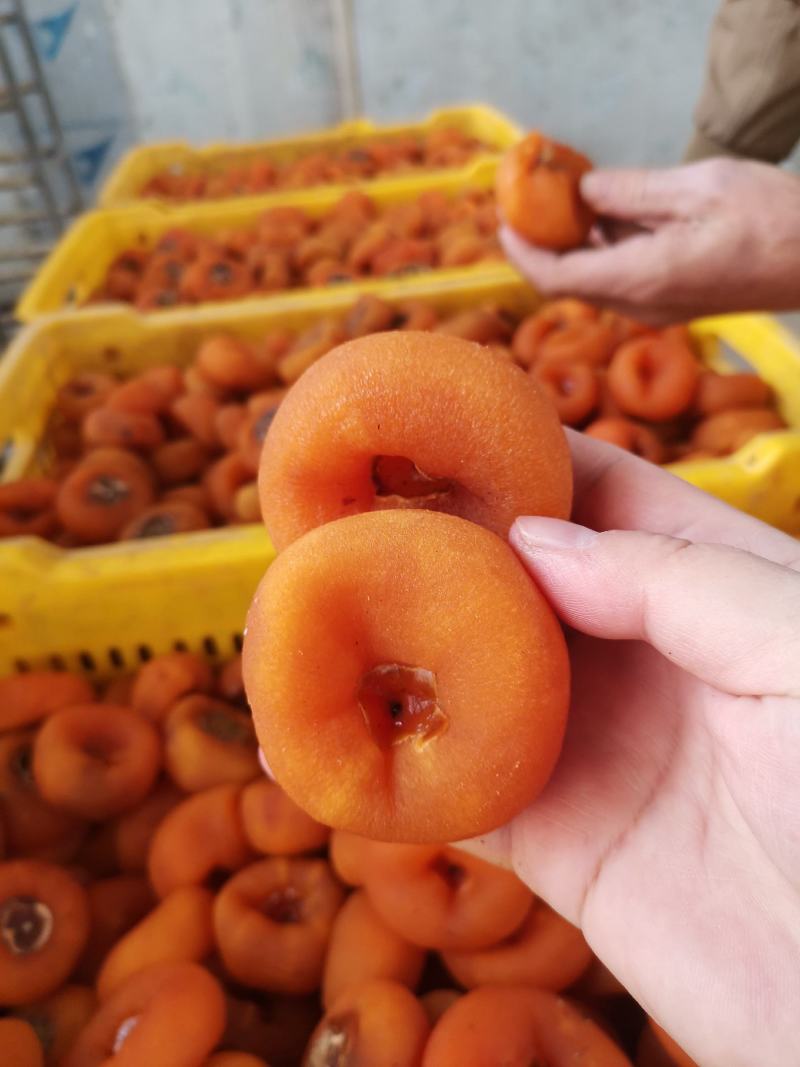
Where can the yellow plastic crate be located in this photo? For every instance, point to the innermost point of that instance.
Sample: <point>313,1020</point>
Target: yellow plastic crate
<point>100,608</point>
<point>78,263</point>
<point>141,164</point>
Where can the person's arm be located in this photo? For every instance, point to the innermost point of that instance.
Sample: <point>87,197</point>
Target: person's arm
<point>722,235</point>
<point>749,105</point>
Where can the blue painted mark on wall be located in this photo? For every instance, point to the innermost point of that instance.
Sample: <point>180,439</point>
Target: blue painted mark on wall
<point>50,32</point>
<point>89,161</point>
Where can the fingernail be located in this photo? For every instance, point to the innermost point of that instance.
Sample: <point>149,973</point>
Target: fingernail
<point>533,532</point>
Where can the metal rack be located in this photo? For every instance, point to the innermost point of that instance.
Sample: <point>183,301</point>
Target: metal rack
<point>39,190</point>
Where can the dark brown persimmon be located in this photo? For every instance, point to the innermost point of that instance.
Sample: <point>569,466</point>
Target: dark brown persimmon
<point>180,460</point>
<point>545,322</point>
<point>729,430</point>
<point>197,839</point>
<point>631,436</point>
<point>178,930</point>
<point>274,825</point>
<point>30,697</point>
<point>455,409</point>
<point>83,393</point>
<point>441,897</point>
<point>404,700</point>
<point>27,508</point>
<point>573,387</point>
<point>546,951</point>
<point>261,410</point>
<point>115,905</point>
<point>273,921</point>
<point>195,413</point>
<point>164,519</point>
<point>109,428</point>
<point>230,364</point>
<point>721,392</point>
<point>379,1023</point>
<point>207,743</point>
<point>58,1020</point>
<point>103,492</point>
<point>133,831</point>
<point>309,346</point>
<point>369,314</point>
<point>222,480</point>
<point>168,1015</point>
<point>277,1027</point>
<point>20,1044</point>
<point>162,682</point>
<point>96,760</point>
<point>653,377</point>
<point>44,924</point>
<point>658,1049</point>
<point>32,826</point>
<point>518,1026</point>
<point>538,192</point>
<point>362,947</point>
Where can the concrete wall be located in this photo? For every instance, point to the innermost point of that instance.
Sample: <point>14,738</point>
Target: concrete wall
<point>616,77</point>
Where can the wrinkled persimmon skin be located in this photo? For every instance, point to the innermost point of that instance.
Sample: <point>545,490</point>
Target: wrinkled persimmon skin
<point>657,1049</point>
<point>362,947</point>
<point>518,1026</point>
<point>273,921</point>
<point>379,1023</point>
<point>334,607</point>
<point>180,1016</point>
<point>546,951</point>
<point>456,409</point>
<point>538,192</point>
<point>177,930</point>
<point>444,898</point>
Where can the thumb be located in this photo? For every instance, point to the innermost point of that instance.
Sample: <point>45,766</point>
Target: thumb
<point>636,195</point>
<point>726,616</point>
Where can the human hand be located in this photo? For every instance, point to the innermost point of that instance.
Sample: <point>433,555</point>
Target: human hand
<point>721,235</point>
<point>670,831</point>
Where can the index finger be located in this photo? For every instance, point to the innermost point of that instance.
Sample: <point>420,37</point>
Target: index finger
<point>615,490</point>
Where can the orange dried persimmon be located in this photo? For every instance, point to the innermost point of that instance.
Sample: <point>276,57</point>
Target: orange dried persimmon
<point>404,255</point>
<point>103,492</point>
<point>658,1049</point>
<point>553,317</point>
<point>163,680</point>
<point>229,681</point>
<point>581,342</point>
<point>369,314</point>
<point>444,898</point>
<point>83,393</point>
<point>653,377</point>
<point>398,690</point>
<point>379,1023</point>
<point>30,697</point>
<point>107,427</point>
<point>546,951</point>
<point>195,412</point>
<point>215,276</point>
<point>631,436</point>
<point>177,930</point>
<point>222,480</point>
<point>415,315</point>
<point>133,831</point>
<point>457,410</point>
<point>208,743</point>
<point>261,410</point>
<point>273,920</point>
<point>230,364</point>
<point>572,387</point>
<point>349,856</point>
<point>124,274</point>
<point>197,839</point>
<point>518,1026</point>
<point>275,825</point>
<point>228,421</point>
<point>180,460</point>
<point>20,1044</point>
<point>58,1020</point>
<point>164,519</point>
<point>247,503</point>
<point>27,507</point>
<point>721,392</point>
<point>309,346</point>
<point>115,905</point>
<point>277,1027</point>
<point>538,192</point>
<point>485,326</point>
<point>32,826</point>
<point>169,1015</point>
<point>96,760</point>
<point>44,924</point>
<point>362,947</point>
<point>730,430</point>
